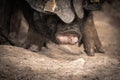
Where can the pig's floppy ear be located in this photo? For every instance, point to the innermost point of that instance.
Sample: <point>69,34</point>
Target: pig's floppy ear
<point>62,8</point>
<point>37,5</point>
<point>78,7</point>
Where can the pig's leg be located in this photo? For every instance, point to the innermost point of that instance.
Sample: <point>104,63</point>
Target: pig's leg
<point>98,44</point>
<point>18,28</point>
<point>90,40</point>
<point>21,19</point>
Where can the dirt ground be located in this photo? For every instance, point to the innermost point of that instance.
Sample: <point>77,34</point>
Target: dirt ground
<point>65,62</point>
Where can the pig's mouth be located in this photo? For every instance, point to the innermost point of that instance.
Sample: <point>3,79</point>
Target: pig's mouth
<point>68,37</point>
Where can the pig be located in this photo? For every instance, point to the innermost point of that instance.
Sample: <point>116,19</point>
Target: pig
<point>81,31</point>
<point>30,30</point>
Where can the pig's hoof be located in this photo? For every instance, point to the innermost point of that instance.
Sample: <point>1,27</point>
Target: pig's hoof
<point>100,50</point>
<point>90,52</point>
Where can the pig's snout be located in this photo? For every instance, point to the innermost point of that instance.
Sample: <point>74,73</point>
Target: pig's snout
<point>70,36</point>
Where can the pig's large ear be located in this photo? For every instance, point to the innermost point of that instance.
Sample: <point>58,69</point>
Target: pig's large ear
<point>62,8</point>
<point>37,5</point>
<point>77,4</point>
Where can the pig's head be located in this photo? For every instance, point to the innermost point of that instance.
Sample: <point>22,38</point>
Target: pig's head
<point>67,32</point>
<point>64,33</point>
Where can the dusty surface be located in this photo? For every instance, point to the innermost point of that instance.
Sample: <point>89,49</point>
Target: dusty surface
<point>67,62</point>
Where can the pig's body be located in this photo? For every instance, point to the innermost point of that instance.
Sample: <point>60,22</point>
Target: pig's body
<point>55,26</point>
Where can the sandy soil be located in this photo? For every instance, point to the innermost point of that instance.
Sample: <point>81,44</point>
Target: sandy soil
<point>64,62</point>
